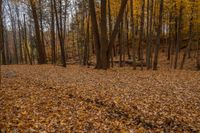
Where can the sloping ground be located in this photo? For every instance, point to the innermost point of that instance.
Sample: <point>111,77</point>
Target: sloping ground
<point>54,99</point>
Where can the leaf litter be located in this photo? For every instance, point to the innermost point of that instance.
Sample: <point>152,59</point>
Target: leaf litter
<point>45,98</point>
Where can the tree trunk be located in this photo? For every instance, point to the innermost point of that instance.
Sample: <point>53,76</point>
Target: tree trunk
<point>30,29</point>
<point>82,36</point>
<point>2,49</point>
<point>170,38</point>
<point>6,54</point>
<point>104,37</point>
<point>19,35</point>
<point>1,36</point>
<point>179,39</point>
<point>87,42</point>
<point>140,54</point>
<point>121,44</point>
<point>60,33</point>
<point>198,55</point>
<point>133,35</point>
<point>149,32</point>
<point>127,33</point>
<point>116,27</point>
<point>13,26</point>
<point>95,33</point>
<point>1,28</point>
<point>40,47</point>
<point>41,27</point>
<point>53,43</point>
<point>25,42</point>
<point>190,39</point>
<point>158,36</point>
<point>103,52</point>
<point>140,45</point>
<point>113,52</point>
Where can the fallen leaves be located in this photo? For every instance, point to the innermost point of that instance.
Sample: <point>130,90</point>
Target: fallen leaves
<point>46,98</point>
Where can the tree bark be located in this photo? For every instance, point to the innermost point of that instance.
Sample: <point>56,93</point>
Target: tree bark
<point>13,26</point>
<point>95,33</point>
<point>190,39</point>
<point>179,39</point>
<point>170,38</point>
<point>133,35</point>
<point>60,33</point>
<point>198,55</point>
<point>127,33</point>
<point>53,43</point>
<point>2,40</point>
<point>40,47</point>
<point>158,36</point>
<point>1,27</point>
<point>140,54</point>
<point>104,37</point>
<point>104,58</point>
<point>87,42</point>
<point>1,36</point>
<point>113,52</point>
<point>148,53</point>
<point>141,38</point>
<point>6,52</point>
<point>19,35</point>
<point>41,27</point>
<point>26,42</point>
<point>116,27</point>
<point>121,44</point>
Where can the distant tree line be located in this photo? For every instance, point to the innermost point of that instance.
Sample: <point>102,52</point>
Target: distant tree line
<point>104,33</point>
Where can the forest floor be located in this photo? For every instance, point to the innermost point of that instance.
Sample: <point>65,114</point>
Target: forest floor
<point>46,98</point>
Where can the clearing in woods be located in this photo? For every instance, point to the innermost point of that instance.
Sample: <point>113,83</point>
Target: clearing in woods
<point>53,99</point>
